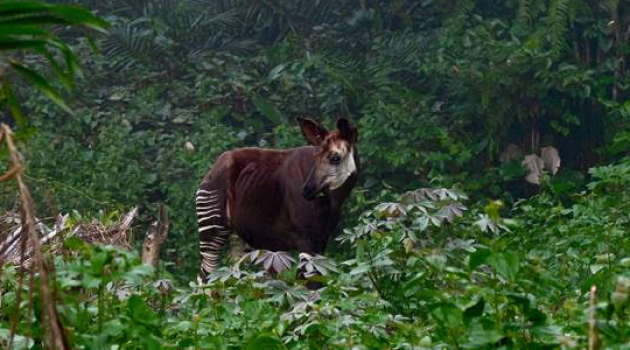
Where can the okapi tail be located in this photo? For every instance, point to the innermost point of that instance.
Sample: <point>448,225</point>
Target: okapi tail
<point>211,203</point>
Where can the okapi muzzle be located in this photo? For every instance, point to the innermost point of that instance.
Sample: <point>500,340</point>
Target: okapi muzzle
<point>310,189</point>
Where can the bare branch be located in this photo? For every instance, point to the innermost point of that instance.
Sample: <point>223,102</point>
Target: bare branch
<point>58,338</point>
<point>125,223</point>
<point>155,238</point>
<point>9,174</point>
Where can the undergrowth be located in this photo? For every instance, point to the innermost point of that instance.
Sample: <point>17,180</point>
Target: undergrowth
<point>430,270</point>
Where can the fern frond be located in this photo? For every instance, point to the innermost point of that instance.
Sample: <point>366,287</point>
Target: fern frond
<point>463,8</point>
<point>127,45</point>
<point>455,23</point>
<point>399,53</point>
<point>225,44</point>
<point>196,35</point>
<point>524,15</point>
<point>558,23</point>
<point>221,20</point>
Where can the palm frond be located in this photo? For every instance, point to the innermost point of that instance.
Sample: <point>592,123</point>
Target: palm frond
<point>127,45</point>
<point>221,20</point>
<point>23,34</point>
<point>455,23</point>
<point>558,22</point>
<point>524,15</point>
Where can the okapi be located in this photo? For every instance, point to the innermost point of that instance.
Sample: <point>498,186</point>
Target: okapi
<point>278,200</point>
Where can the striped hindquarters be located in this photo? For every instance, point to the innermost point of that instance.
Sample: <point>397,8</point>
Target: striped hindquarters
<point>213,228</point>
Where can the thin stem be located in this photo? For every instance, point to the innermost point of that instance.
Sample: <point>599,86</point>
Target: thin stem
<point>593,341</point>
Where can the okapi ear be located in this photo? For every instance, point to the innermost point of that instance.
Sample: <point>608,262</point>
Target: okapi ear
<point>313,131</point>
<point>347,131</point>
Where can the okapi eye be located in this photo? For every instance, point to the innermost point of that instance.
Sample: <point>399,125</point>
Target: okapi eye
<point>335,159</point>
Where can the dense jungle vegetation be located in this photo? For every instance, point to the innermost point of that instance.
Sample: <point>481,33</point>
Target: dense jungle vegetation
<point>492,210</point>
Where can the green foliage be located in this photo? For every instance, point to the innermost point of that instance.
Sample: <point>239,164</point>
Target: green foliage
<point>422,275</point>
<point>23,31</point>
<point>170,33</point>
<point>135,156</point>
<point>439,91</point>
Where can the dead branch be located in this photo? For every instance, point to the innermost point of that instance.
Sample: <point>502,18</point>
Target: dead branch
<point>59,227</point>
<point>23,247</point>
<point>58,339</point>
<point>9,174</point>
<point>11,252</point>
<point>156,236</point>
<point>9,248</point>
<point>92,234</point>
<point>125,223</point>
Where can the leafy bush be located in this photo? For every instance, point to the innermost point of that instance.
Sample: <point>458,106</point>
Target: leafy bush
<point>439,90</point>
<point>427,271</point>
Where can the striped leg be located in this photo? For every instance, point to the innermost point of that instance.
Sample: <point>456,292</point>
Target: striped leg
<point>213,229</point>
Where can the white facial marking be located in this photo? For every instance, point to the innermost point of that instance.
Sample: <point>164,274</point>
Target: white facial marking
<point>342,171</point>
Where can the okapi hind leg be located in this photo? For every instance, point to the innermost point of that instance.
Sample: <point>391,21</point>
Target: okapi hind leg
<point>214,230</point>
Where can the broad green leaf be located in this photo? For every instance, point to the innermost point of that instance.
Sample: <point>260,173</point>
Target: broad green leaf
<point>478,258</point>
<point>8,97</point>
<point>276,72</point>
<point>37,12</point>
<point>9,43</point>
<point>65,79</point>
<point>22,31</point>
<point>75,244</point>
<point>80,17</point>
<point>8,8</point>
<point>437,260</point>
<point>595,268</point>
<point>113,327</point>
<point>482,338</point>
<point>139,311</point>
<point>19,341</point>
<point>476,310</point>
<point>361,269</point>
<point>42,84</point>
<point>36,19</point>
<point>138,273</point>
<point>268,109</point>
<point>265,341</point>
<point>448,314</point>
<point>421,222</point>
<point>506,264</point>
<point>98,261</point>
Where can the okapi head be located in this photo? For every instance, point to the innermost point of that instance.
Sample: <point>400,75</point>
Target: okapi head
<point>335,159</point>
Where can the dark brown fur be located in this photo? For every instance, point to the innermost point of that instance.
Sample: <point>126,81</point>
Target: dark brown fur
<point>261,194</point>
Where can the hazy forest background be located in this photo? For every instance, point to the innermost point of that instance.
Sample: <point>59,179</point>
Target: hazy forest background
<point>493,208</point>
